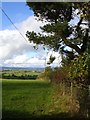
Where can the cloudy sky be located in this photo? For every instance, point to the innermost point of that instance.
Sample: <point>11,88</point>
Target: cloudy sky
<point>14,49</point>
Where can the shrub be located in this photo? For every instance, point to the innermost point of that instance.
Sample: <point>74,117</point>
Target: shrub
<point>55,75</point>
<point>47,74</point>
<point>79,69</point>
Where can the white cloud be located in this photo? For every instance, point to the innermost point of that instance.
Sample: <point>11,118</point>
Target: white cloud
<point>12,44</point>
<point>18,59</point>
<point>16,51</point>
<point>24,60</point>
<point>31,24</point>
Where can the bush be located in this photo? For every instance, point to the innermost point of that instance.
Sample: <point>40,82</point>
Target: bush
<point>79,69</point>
<point>47,74</point>
<point>54,75</point>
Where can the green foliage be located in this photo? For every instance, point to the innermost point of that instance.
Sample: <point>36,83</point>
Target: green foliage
<point>12,74</point>
<point>47,74</point>
<point>71,86</point>
<point>79,69</point>
<point>51,59</point>
<point>54,75</point>
<point>58,28</point>
<point>51,11</point>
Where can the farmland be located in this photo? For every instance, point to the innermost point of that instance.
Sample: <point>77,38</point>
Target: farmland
<point>35,98</point>
<point>19,74</point>
<point>25,99</point>
<point>28,98</point>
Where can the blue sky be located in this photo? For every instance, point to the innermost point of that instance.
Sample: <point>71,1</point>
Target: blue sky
<point>14,50</point>
<point>17,11</point>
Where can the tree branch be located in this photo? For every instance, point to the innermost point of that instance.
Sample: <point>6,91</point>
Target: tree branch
<point>85,41</point>
<point>75,47</point>
<point>79,23</point>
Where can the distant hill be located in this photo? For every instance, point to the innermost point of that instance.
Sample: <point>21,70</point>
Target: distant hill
<point>22,68</point>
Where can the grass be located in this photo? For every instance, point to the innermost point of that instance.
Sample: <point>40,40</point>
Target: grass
<point>29,99</point>
<point>35,99</point>
<point>25,99</point>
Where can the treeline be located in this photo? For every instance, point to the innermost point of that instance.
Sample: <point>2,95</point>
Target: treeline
<point>19,75</point>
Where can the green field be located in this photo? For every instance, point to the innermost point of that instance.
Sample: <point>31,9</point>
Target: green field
<point>19,74</point>
<point>30,99</point>
<point>25,99</point>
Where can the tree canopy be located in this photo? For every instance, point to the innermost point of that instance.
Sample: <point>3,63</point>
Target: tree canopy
<point>68,26</point>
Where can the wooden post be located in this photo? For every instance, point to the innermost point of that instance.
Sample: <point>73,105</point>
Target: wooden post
<point>88,109</point>
<point>71,89</point>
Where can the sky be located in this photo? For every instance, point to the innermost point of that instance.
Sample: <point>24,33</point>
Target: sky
<point>15,51</point>
<point>17,11</point>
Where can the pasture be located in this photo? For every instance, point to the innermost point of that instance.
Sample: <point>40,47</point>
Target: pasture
<point>25,99</point>
<point>35,99</point>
